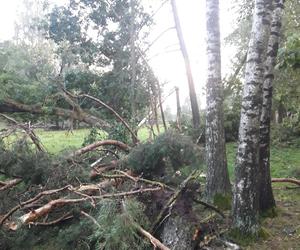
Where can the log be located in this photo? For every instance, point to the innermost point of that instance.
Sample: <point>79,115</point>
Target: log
<point>289,180</point>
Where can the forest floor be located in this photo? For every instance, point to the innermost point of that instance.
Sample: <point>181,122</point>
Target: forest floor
<point>283,231</point>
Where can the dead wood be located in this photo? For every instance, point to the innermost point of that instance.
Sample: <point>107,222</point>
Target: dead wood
<point>289,180</point>
<point>98,144</point>
<point>115,113</point>
<point>66,216</point>
<point>11,106</point>
<point>37,197</point>
<point>46,209</point>
<point>154,241</point>
<point>139,179</point>
<point>172,200</point>
<point>4,185</point>
<point>210,206</point>
<point>34,138</point>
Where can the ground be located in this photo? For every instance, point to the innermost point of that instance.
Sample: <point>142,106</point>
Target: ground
<point>283,230</point>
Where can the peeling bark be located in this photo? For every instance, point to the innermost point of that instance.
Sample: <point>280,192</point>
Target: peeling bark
<point>217,181</point>
<point>266,200</point>
<point>246,199</point>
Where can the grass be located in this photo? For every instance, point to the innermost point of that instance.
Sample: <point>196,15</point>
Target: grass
<point>57,141</point>
<point>285,161</point>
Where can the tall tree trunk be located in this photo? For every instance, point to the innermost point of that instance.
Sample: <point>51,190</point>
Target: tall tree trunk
<point>133,61</point>
<point>178,115</point>
<point>266,199</point>
<point>217,173</point>
<point>246,199</point>
<point>193,97</point>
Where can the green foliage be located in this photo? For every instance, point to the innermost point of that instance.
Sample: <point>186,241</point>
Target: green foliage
<point>93,136</point>
<point>167,150</point>
<point>119,132</point>
<point>287,132</point>
<point>222,201</point>
<point>289,54</point>
<point>22,160</point>
<point>116,230</point>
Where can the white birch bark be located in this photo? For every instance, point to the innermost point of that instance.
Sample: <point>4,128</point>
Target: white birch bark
<point>217,173</point>
<point>245,202</point>
<point>266,200</point>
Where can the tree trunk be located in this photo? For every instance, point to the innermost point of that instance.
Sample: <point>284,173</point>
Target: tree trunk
<point>133,62</point>
<point>246,199</point>
<point>266,199</point>
<point>193,97</point>
<point>178,115</point>
<point>161,107</point>
<point>281,113</point>
<point>179,228</point>
<point>217,173</point>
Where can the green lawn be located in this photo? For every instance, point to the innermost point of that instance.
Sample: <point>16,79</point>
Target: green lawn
<point>285,161</point>
<point>57,141</point>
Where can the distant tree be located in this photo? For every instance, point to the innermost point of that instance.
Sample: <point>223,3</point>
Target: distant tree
<point>217,173</point>
<point>192,91</point>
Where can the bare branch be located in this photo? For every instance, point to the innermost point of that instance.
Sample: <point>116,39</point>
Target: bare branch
<point>4,185</point>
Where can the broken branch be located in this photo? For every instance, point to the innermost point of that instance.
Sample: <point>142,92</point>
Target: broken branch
<point>289,180</point>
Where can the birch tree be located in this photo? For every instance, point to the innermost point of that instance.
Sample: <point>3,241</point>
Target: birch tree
<point>217,173</point>
<point>246,200</point>
<point>266,200</point>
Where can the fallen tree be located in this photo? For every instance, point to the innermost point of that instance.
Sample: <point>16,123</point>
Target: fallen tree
<point>12,106</point>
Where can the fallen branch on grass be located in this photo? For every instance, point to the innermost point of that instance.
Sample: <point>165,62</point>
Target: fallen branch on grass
<point>98,144</point>
<point>289,180</point>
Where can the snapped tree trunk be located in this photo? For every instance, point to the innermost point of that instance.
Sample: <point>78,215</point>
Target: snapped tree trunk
<point>246,199</point>
<point>193,97</point>
<point>217,173</point>
<point>179,227</point>
<point>266,199</point>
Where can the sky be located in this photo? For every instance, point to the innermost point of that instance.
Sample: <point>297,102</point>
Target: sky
<point>164,55</point>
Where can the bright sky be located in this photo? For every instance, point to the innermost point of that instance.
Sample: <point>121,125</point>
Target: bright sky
<point>167,63</point>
